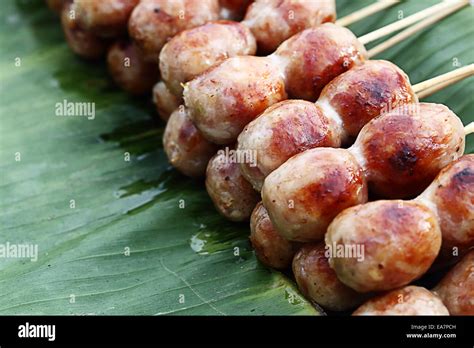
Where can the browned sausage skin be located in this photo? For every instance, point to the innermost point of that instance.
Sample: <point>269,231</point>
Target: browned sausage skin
<point>293,126</point>
<point>410,300</point>
<point>284,18</point>
<point>184,145</point>
<point>406,148</point>
<point>232,195</point>
<point>271,249</point>
<point>165,101</point>
<point>304,194</point>
<point>224,99</point>
<point>366,91</point>
<point>393,253</point>
<point>451,195</point>
<point>193,51</point>
<point>456,289</point>
<point>153,22</point>
<point>316,56</point>
<point>81,42</point>
<point>104,18</point>
<point>318,281</point>
<point>129,70</point>
<point>281,131</point>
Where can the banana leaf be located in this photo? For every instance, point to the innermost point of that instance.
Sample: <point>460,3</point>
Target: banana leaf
<point>117,230</point>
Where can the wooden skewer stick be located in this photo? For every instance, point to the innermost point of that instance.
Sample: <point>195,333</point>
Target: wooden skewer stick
<point>366,12</point>
<point>428,87</point>
<point>398,25</point>
<point>469,129</point>
<point>415,28</point>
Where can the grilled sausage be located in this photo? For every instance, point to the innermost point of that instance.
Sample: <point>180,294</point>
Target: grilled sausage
<point>274,21</point>
<point>410,300</point>
<point>456,289</point>
<point>104,18</point>
<point>184,145</point>
<point>193,51</point>
<point>319,283</point>
<point>230,95</point>
<point>81,42</point>
<point>153,22</point>
<point>304,194</point>
<point>129,70</point>
<point>271,249</point>
<point>232,195</point>
<point>394,252</point>
<point>165,101</point>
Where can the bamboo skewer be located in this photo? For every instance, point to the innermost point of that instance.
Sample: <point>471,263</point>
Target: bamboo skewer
<point>366,12</point>
<point>396,26</point>
<point>428,87</point>
<point>469,129</point>
<point>415,28</point>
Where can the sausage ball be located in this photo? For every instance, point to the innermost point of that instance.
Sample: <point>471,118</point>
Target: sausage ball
<point>81,42</point>
<point>165,101</point>
<point>104,18</point>
<point>316,56</point>
<point>319,283</point>
<point>153,22</point>
<point>193,51</point>
<point>233,196</point>
<point>452,194</point>
<point>398,240</point>
<point>186,148</point>
<point>283,130</point>
<point>366,91</point>
<point>410,300</point>
<point>406,148</point>
<point>456,289</point>
<point>282,19</point>
<point>224,99</point>
<point>271,249</point>
<point>304,194</point>
<point>129,70</point>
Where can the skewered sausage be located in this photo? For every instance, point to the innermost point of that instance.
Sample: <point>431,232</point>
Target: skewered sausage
<point>452,197</point>
<point>345,105</point>
<point>193,51</point>
<point>402,238</point>
<point>319,283</point>
<point>321,182</point>
<point>184,145</point>
<point>271,249</point>
<point>410,300</point>
<point>284,18</point>
<point>232,195</point>
<point>456,289</point>
<point>129,70</point>
<point>394,253</point>
<point>81,42</point>
<point>105,18</point>
<point>165,101</point>
<point>153,22</point>
<point>227,97</point>
<point>305,193</point>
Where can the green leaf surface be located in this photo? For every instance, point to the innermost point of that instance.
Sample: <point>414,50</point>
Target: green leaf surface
<point>129,246</point>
